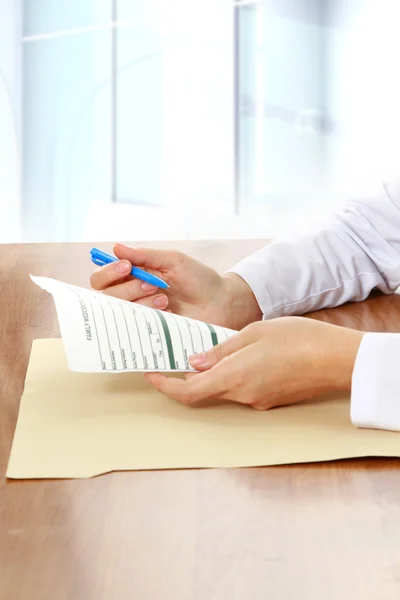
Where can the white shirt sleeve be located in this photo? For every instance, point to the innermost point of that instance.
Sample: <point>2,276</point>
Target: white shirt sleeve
<point>358,250</point>
<point>375,395</point>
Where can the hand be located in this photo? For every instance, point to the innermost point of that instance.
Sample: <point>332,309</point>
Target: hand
<point>269,364</point>
<point>195,290</point>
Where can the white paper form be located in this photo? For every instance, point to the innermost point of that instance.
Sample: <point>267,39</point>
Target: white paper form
<point>105,334</point>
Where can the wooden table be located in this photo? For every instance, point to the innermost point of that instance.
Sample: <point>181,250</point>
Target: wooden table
<point>319,531</point>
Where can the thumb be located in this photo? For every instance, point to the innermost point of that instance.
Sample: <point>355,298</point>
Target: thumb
<point>205,360</point>
<point>147,257</point>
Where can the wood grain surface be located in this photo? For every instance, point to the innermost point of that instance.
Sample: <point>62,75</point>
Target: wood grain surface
<point>326,531</point>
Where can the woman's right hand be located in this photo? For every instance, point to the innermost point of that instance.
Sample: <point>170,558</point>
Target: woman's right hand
<point>195,291</point>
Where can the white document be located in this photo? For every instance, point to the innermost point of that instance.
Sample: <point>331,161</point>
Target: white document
<point>104,334</point>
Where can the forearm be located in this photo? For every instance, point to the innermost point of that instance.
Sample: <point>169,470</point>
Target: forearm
<point>358,251</point>
<point>365,364</point>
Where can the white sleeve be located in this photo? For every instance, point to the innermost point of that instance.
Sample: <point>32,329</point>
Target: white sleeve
<point>359,250</point>
<point>375,395</point>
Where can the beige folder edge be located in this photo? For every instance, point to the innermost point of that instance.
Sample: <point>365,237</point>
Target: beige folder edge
<point>76,425</point>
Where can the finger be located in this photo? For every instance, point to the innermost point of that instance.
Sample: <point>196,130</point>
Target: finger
<point>148,257</point>
<point>133,291</point>
<point>111,274</point>
<point>130,290</point>
<point>262,406</point>
<point>206,360</point>
<point>160,301</point>
<point>203,386</point>
<point>188,376</point>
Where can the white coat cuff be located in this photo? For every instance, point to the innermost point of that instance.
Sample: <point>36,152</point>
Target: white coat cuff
<point>375,396</point>
<point>253,271</point>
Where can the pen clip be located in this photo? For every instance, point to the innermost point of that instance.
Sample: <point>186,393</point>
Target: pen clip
<point>98,261</point>
<point>100,258</point>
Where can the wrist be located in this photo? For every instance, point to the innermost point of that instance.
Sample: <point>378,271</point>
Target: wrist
<point>240,303</point>
<point>342,353</point>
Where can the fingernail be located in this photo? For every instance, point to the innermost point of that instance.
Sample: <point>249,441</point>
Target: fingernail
<point>123,267</point>
<point>147,287</point>
<point>198,359</point>
<point>160,301</point>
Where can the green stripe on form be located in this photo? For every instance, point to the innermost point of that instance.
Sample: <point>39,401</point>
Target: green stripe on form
<point>213,334</point>
<point>168,340</point>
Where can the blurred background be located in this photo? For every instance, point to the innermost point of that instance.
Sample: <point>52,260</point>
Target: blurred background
<point>190,119</point>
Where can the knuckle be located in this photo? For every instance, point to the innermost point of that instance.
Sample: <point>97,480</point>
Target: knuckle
<point>96,280</point>
<point>244,397</point>
<point>132,290</point>
<point>253,400</point>
<point>186,398</point>
<point>254,328</point>
<point>177,253</point>
<point>191,392</point>
<point>261,404</point>
<point>176,257</point>
<point>133,286</point>
<point>239,379</point>
<point>216,353</point>
<point>248,396</point>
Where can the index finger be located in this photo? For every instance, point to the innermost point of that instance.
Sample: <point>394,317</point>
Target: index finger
<point>115,272</point>
<point>148,258</point>
<point>200,387</point>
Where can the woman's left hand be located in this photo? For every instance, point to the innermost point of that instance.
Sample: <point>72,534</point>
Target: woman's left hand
<point>270,363</point>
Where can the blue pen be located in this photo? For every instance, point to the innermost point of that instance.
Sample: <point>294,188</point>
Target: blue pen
<point>101,258</point>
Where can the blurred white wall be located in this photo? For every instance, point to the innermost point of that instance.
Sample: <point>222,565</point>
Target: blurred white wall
<point>175,115</point>
<point>363,93</point>
<point>10,120</point>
